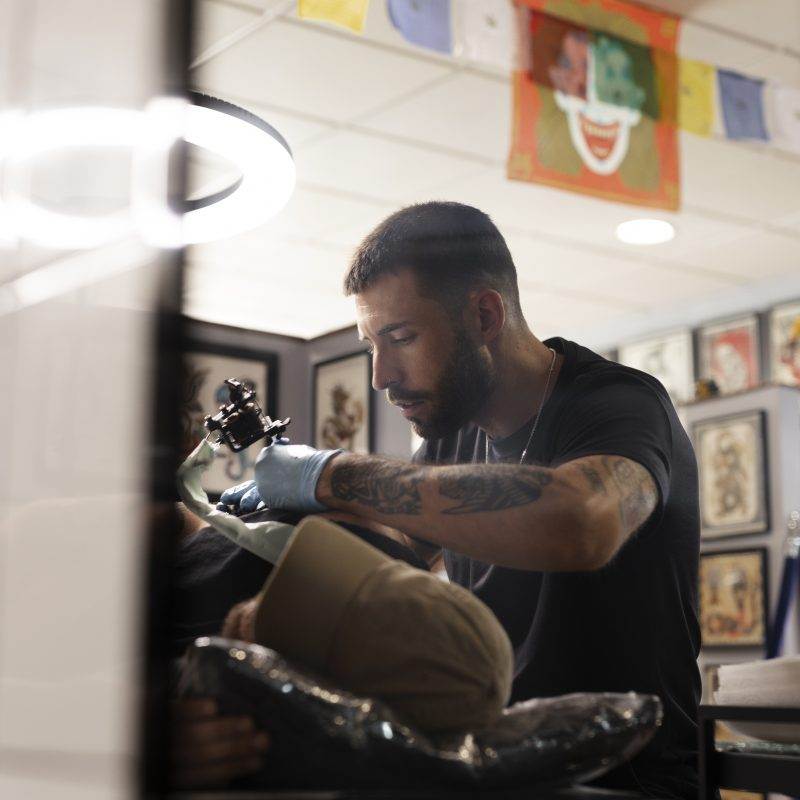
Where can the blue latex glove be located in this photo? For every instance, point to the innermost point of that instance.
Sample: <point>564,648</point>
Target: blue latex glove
<point>244,497</point>
<point>286,478</point>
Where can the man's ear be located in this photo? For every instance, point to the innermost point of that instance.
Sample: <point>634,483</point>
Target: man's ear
<point>491,314</point>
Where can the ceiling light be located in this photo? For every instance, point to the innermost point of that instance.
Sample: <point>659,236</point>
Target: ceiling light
<point>645,231</point>
<point>261,155</point>
<point>259,152</point>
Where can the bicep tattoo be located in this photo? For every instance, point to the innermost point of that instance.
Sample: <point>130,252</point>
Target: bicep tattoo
<point>635,489</point>
<point>388,488</point>
<point>492,490</point>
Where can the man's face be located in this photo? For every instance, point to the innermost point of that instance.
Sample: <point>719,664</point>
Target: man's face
<point>424,359</point>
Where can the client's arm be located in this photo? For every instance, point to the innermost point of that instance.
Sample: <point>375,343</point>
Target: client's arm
<point>429,553</point>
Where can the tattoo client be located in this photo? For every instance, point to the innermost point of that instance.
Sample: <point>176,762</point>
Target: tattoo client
<point>559,487</point>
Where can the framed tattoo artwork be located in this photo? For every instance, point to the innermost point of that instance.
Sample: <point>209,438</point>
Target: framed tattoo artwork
<point>784,344</point>
<point>342,403</point>
<point>733,598</point>
<point>729,354</point>
<point>670,358</point>
<point>731,460</point>
<point>206,367</point>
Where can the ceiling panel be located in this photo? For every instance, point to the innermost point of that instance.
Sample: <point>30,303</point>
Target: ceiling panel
<point>748,182</point>
<point>376,123</point>
<point>757,255</point>
<point>214,20</point>
<point>626,284</point>
<point>775,21</point>
<point>444,115</point>
<point>379,168</point>
<point>303,68</point>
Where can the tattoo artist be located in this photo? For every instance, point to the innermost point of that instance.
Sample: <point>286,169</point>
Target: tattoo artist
<point>559,487</point>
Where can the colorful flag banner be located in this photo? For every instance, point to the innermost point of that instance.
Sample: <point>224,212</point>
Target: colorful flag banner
<point>423,22</point>
<point>742,101</point>
<point>347,13</point>
<point>595,104</point>
<point>485,31</point>
<point>785,115</point>
<point>696,96</point>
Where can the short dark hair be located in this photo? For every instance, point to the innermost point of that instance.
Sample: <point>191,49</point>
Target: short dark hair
<point>453,248</point>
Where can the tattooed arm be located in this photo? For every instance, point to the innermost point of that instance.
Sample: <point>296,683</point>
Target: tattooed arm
<point>573,517</point>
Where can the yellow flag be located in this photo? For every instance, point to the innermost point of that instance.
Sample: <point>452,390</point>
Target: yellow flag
<point>695,96</point>
<point>347,13</point>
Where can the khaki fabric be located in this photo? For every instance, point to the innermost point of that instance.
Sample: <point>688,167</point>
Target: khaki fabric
<point>376,626</point>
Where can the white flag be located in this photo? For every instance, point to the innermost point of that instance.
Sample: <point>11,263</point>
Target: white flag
<point>785,117</point>
<point>485,32</point>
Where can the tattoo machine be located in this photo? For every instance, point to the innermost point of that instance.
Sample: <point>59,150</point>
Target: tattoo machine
<point>241,422</point>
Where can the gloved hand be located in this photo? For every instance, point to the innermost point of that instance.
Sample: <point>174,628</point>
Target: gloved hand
<point>286,478</point>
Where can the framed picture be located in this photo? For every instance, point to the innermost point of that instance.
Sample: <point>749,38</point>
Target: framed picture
<point>342,403</point>
<point>206,368</point>
<point>729,354</point>
<point>670,358</point>
<point>731,459</point>
<point>784,344</point>
<point>733,598</point>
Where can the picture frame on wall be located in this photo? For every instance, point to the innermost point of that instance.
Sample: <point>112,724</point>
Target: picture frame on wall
<point>732,465</point>
<point>784,344</point>
<point>669,358</point>
<point>733,598</point>
<point>729,353</point>
<point>342,407</point>
<point>206,367</point>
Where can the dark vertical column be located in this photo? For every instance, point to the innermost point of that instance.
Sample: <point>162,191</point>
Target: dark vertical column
<point>164,447</point>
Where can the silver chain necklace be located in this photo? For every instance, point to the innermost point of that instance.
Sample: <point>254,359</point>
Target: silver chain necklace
<point>538,413</point>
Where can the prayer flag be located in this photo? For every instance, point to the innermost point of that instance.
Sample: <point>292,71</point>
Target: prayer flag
<point>485,31</point>
<point>347,13</point>
<point>423,22</point>
<point>786,117</point>
<point>695,96</point>
<point>742,101</point>
<point>595,101</point>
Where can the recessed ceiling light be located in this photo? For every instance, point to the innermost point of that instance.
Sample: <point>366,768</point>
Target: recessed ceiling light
<point>645,231</point>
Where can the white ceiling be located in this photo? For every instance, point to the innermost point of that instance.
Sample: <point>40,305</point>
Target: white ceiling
<point>375,124</point>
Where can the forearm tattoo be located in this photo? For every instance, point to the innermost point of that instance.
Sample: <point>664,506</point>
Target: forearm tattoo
<point>635,488</point>
<point>492,490</point>
<point>594,479</point>
<point>386,487</point>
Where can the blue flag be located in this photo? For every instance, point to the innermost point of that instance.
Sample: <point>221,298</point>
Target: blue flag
<point>423,22</point>
<point>742,101</point>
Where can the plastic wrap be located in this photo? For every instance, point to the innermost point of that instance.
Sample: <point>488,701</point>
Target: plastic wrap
<point>323,737</point>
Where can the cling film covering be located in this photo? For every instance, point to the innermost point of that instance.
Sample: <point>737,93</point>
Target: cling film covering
<point>325,737</point>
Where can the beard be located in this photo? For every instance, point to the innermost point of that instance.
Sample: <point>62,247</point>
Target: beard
<point>461,390</point>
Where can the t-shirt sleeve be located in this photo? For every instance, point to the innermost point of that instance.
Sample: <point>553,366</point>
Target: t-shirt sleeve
<point>625,418</point>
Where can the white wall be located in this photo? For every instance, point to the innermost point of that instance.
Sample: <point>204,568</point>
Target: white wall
<point>75,404</point>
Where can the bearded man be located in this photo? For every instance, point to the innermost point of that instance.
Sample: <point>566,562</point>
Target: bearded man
<point>560,487</point>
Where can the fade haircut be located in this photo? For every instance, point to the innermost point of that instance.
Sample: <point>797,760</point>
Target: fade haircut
<point>452,249</point>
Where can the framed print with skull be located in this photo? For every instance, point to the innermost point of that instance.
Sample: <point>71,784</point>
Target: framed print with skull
<point>731,460</point>
<point>729,354</point>
<point>342,403</point>
<point>733,598</point>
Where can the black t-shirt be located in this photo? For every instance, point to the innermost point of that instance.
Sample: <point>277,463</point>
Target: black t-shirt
<point>633,625</point>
